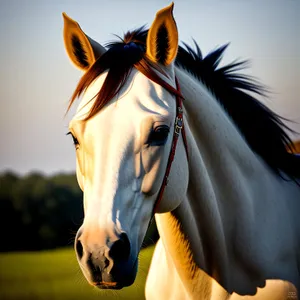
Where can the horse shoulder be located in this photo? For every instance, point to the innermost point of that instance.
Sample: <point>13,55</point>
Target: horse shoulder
<point>163,281</point>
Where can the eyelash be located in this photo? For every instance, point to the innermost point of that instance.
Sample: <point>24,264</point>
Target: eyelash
<point>75,141</point>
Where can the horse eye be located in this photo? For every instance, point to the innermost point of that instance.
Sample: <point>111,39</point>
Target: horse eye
<point>159,135</point>
<point>75,141</point>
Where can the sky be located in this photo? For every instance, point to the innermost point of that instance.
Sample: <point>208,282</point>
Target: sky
<point>37,78</point>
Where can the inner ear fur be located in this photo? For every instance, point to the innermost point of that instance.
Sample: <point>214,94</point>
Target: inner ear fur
<point>162,39</point>
<point>81,49</point>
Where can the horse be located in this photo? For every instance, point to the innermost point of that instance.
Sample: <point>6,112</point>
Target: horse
<point>163,132</point>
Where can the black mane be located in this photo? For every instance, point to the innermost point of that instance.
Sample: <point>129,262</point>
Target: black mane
<point>263,130</point>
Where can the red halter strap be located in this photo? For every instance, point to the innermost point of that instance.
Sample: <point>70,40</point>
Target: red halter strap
<point>178,127</point>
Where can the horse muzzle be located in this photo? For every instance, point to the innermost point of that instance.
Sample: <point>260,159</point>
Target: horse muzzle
<point>109,265</point>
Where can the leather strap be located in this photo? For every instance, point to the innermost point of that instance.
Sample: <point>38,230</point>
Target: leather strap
<point>178,128</point>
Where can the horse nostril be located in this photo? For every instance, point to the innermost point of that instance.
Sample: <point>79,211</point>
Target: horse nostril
<point>120,249</point>
<point>79,249</point>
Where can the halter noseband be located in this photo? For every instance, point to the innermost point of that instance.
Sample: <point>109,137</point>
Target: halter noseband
<point>178,127</point>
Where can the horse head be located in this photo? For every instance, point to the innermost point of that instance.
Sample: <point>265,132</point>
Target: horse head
<point>123,133</point>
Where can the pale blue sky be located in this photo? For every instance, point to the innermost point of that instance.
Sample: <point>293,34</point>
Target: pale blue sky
<point>37,79</point>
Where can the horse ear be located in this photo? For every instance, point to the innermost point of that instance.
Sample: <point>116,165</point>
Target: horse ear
<point>162,39</point>
<point>82,50</point>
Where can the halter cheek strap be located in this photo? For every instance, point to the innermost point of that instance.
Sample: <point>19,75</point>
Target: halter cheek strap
<point>178,128</point>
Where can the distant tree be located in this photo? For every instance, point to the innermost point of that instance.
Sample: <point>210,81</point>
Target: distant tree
<point>9,216</point>
<point>39,212</point>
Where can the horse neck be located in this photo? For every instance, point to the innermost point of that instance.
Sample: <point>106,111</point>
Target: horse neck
<point>217,227</point>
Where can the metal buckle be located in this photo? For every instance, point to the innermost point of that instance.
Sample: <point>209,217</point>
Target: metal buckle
<point>178,125</point>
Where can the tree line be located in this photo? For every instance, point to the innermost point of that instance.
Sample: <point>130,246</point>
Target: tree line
<point>42,212</point>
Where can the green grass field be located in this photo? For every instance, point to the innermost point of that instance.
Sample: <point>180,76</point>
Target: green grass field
<point>56,275</point>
